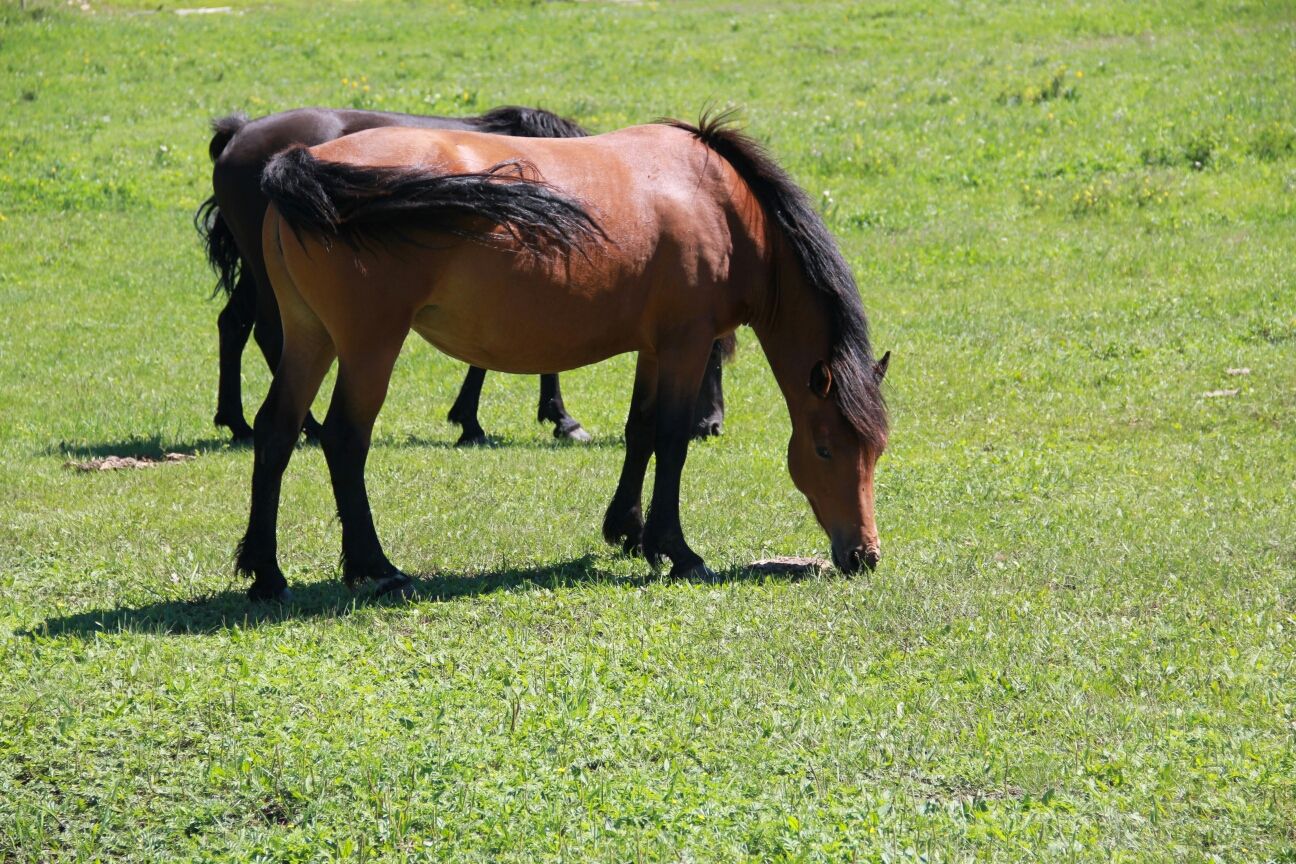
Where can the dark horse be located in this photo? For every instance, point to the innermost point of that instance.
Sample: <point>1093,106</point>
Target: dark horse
<point>527,254</point>
<point>230,224</point>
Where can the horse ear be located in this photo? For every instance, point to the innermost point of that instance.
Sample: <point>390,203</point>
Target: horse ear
<point>821,380</point>
<point>880,367</point>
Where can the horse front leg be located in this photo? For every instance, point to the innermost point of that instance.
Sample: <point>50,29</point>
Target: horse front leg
<point>623,525</point>
<point>463,413</point>
<point>235,326</point>
<point>679,376</point>
<point>553,410</point>
<point>348,428</point>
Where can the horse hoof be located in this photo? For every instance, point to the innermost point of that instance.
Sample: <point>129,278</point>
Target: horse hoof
<point>283,596</point>
<point>472,439</point>
<point>696,573</point>
<point>577,433</point>
<point>398,585</point>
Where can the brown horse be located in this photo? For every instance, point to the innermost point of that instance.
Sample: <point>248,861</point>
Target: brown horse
<point>524,255</point>
<point>229,223</point>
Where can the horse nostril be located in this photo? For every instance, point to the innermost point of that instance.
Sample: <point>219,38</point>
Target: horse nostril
<point>853,561</point>
<point>871,558</point>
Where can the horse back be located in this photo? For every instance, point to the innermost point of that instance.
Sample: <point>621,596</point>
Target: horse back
<point>683,244</point>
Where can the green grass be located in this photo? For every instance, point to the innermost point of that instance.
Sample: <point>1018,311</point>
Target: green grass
<point>1068,221</point>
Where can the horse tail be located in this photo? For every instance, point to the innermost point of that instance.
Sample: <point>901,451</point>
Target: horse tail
<point>218,239</point>
<point>339,200</point>
<point>222,252</point>
<point>223,129</point>
<point>528,123</point>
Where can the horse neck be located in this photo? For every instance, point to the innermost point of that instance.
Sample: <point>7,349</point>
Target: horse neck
<point>793,332</point>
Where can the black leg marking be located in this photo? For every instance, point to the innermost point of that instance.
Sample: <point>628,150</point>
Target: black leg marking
<point>677,390</point>
<point>235,326</point>
<point>463,413</point>
<point>554,411</point>
<point>345,440</point>
<point>275,436</point>
<point>623,524</point>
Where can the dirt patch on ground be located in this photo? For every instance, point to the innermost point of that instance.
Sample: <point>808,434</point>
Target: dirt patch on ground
<point>785,566</point>
<point>116,463</point>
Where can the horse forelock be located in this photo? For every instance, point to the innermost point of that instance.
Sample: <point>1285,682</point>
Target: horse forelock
<point>857,388</point>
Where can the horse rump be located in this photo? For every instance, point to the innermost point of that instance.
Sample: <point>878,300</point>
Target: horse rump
<point>223,130</point>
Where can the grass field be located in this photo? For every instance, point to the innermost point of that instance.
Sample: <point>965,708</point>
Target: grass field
<point>1069,222</point>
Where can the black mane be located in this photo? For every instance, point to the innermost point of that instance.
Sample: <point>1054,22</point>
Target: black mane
<point>523,122</point>
<point>856,389</point>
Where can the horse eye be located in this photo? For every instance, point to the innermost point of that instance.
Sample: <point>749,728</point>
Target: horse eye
<point>823,452</point>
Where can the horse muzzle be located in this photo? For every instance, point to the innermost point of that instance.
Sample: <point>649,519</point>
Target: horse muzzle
<point>854,560</point>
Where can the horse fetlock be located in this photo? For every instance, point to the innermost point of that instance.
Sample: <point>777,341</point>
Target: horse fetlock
<point>624,527</point>
<point>708,427</point>
<point>669,543</point>
<point>458,415</point>
<point>552,412</point>
<point>239,428</point>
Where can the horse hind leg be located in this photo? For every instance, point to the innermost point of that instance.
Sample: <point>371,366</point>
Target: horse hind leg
<point>361,388</point>
<point>552,409</point>
<point>306,358</point>
<point>235,326</point>
<point>463,413</point>
<point>269,336</point>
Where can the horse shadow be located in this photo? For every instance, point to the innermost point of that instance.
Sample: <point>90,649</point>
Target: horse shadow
<point>153,447</point>
<point>503,442</point>
<point>219,611</point>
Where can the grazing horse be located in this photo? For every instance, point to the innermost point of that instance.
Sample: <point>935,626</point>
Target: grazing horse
<point>230,224</point>
<point>531,254</point>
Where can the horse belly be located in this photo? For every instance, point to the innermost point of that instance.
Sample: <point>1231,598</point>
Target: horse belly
<point>527,325</point>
